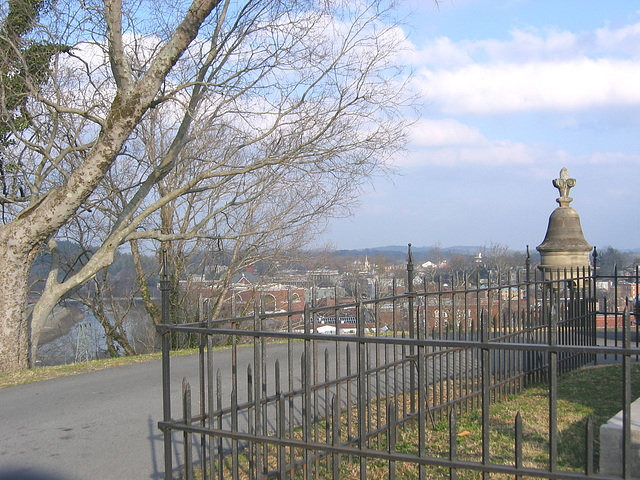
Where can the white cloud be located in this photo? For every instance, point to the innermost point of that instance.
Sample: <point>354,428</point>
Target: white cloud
<point>623,40</point>
<point>617,159</point>
<point>450,143</point>
<point>559,86</point>
<point>553,70</point>
<point>441,53</point>
<point>527,45</point>
<point>447,132</point>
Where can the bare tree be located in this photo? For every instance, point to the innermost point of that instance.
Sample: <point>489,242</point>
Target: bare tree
<point>299,102</point>
<point>499,257</point>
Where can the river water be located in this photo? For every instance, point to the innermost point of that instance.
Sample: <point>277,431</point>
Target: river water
<point>73,332</point>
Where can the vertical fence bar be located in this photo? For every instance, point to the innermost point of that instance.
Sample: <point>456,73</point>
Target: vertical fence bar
<point>363,399</point>
<point>280,422</point>
<point>453,443</point>
<point>518,443</point>
<point>606,322</point>
<point>463,334</point>
<point>251,421</point>
<point>327,404</point>
<point>476,376</point>
<point>422,400</point>
<point>636,309</point>
<point>588,460</point>
<point>392,436</point>
<point>166,404</point>
<point>497,356</point>
<point>450,374</point>
<point>188,445</point>
<point>290,377</point>
<point>307,379</point>
<point>202,384</point>
<point>235,461</point>
<point>234,397</point>
<point>485,388</point>
<point>437,369</point>
<point>258,366</point>
<point>626,405</point>
<point>615,306</point>
<point>335,436</point>
<point>337,368</point>
<point>282,462</point>
<point>166,366</point>
<point>219,407</point>
<point>378,388</point>
<point>594,305</point>
<point>210,398</point>
<point>553,379</point>
<point>263,381</point>
<point>412,381</point>
<point>349,399</point>
<point>314,391</point>
<point>530,289</point>
<point>398,353</point>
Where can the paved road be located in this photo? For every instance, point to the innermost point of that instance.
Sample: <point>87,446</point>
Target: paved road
<point>100,425</point>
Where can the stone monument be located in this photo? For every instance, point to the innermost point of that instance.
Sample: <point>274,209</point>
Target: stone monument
<point>564,247</point>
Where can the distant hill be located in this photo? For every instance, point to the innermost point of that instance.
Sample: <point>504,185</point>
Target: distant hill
<point>399,252</point>
<point>415,249</point>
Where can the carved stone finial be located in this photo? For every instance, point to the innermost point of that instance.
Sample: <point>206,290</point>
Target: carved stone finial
<point>564,184</point>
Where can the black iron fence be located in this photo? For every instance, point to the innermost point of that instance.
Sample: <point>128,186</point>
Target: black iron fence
<point>362,388</point>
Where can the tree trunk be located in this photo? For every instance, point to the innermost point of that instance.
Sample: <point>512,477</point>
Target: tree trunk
<point>151,308</point>
<point>113,333</point>
<point>39,315</point>
<point>45,304</point>
<point>14,278</point>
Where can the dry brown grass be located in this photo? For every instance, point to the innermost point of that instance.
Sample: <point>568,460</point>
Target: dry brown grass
<point>46,373</point>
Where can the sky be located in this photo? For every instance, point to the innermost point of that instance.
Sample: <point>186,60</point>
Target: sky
<point>512,91</point>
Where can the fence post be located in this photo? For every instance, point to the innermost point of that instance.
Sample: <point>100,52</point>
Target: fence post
<point>187,438</point>
<point>554,303</point>
<point>594,305</point>
<point>626,395</point>
<point>528,355</point>
<point>412,375</point>
<point>166,379</point>
<point>485,365</point>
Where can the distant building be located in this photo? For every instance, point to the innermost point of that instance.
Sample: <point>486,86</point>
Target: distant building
<point>324,277</point>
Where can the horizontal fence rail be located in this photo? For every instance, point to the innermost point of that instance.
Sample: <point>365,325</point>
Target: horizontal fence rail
<point>360,389</point>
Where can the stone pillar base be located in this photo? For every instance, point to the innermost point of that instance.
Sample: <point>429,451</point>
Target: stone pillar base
<point>611,443</point>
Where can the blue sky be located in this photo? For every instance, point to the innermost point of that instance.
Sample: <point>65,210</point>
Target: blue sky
<point>513,91</point>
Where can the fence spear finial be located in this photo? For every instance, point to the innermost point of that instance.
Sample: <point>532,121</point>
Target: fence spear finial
<point>163,268</point>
